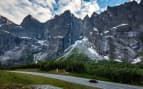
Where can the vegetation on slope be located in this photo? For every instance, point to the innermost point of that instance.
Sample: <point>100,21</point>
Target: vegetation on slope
<point>10,80</point>
<point>80,65</point>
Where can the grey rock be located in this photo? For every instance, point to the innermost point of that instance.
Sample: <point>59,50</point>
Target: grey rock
<point>116,33</point>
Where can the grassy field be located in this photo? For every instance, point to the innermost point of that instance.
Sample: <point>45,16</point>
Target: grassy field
<point>22,81</point>
<point>84,75</point>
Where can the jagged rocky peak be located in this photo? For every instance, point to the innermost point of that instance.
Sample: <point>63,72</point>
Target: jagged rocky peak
<point>115,34</point>
<point>118,31</point>
<point>86,17</point>
<point>4,20</point>
<point>67,14</point>
<point>141,2</point>
<point>32,27</point>
<point>94,14</point>
<point>62,31</point>
<point>29,20</point>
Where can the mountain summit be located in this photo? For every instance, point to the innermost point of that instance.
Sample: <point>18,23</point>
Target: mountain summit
<point>115,34</point>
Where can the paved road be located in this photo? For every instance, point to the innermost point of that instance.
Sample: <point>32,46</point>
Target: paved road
<point>84,81</point>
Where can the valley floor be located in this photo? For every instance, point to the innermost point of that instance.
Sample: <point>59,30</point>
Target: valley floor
<point>82,81</point>
<point>11,80</point>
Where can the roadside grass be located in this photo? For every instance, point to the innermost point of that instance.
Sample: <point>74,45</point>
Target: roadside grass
<point>8,79</point>
<point>83,75</point>
<point>14,86</point>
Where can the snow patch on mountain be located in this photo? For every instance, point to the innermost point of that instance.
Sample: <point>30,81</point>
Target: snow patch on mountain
<point>6,31</point>
<point>26,38</point>
<point>95,29</point>
<point>39,56</point>
<point>118,60</point>
<point>138,1</point>
<point>120,25</point>
<point>105,32</point>
<point>1,25</point>
<point>43,42</point>
<point>106,57</point>
<point>85,47</point>
<point>137,60</point>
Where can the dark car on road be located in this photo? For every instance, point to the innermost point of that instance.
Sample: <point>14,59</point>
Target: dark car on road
<point>93,81</point>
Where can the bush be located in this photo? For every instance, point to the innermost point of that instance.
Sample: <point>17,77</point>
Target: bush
<point>67,65</point>
<point>76,67</point>
<point>113,71</point>
<point>119,72</point>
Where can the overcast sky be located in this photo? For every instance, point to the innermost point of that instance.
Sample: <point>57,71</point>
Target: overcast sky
<point>43,10</point>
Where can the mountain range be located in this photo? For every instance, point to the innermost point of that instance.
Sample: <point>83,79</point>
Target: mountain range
<point>115,34</point>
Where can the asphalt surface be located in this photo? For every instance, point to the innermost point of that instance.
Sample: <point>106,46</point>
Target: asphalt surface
<point>83,81</point>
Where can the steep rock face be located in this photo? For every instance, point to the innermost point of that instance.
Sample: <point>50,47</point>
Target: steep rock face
<point>84,47</point>
<point>115,33</point>
<point>33,28</point>
<point>7,41</point>
<point>118,31</point>
<point>19,42</point>
<point>61,32</point>
<point>42,40</point>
